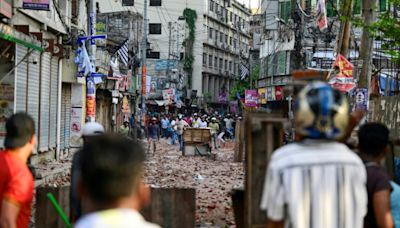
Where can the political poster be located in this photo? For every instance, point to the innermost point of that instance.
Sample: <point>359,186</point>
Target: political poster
<point>262,95</point>
<point>251,98</point>
<point>76,127</point>
<point>169,96</point>
<point>361,96</point>
<point>36,4</point>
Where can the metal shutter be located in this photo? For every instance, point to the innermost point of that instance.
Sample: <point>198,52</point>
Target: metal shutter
<point>65,115</point>
<point>44,102</point>
<point>33,88</point>
<point>20,78</point>
<point>53,102</point>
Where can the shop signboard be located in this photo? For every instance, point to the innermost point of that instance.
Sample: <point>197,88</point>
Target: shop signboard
<point>36,4</point>
<point>251,98</point>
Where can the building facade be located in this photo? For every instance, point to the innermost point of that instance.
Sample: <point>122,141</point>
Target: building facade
<point>38,76</point>
<point>221,41</point>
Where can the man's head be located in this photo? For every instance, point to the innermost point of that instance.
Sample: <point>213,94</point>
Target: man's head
<point>20,130</point>
<point>214,119</point>
<point>126,123</point>
<point>373,139</point>
<point>112,169</point>
<point>92,129</point>
<point>180,116</point>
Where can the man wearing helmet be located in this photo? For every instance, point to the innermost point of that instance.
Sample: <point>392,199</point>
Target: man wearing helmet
<point>89,131</point>
<point>316,181</point>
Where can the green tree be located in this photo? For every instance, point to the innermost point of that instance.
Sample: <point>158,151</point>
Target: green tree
<point>387,29</point>
<point>240,87</point>
<point>255,73</point>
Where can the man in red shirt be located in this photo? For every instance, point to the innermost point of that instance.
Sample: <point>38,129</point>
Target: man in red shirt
<point>16,181</point>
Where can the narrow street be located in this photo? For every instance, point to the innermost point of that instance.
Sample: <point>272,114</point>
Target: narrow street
<point>169,169</point>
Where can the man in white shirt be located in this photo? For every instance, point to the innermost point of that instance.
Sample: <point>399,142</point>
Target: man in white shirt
<point>316,182</point>
<point>111,184</point>
<point>196,121</point>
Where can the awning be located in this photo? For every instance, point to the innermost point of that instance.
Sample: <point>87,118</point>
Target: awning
<point>11,34</point>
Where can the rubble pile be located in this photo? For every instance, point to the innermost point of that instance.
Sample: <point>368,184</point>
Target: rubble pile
<point>212,179</point>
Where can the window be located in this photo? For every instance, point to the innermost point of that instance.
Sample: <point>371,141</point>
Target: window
<point>127,2</point>
<point>221,37</point>
<point>226,38</point>
<point>356,7</point>
<point>153,55</point>
<point>234,21</point>
<point>210,60</point>
<point>231,16</point>
<point>155,2</point>
<point>285,10</point>
<point>221,63</point>
<point>118,23</point>
<point>230,65</point>
<point>216,7</point>
<point>181,56</point>
<point>215,62</point>
<point>382,5</point>
<point>211,5</point>
<point>204,59</point>
<point>210,33</point>
<point>234,43</point>
<point>216,35</point>
<point>226,64</point>
<point>155,28</point>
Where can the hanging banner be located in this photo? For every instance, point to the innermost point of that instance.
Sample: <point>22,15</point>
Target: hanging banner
<point>222,97</point>
<point>343,75</point>
<point>278,93</point>
<point>169,96</point>
<point>36,4</point>
<point>76,127</point>
<point>361,99</point>
<point>322,20</point>
<point>90,98</point>
<point>251,98</point>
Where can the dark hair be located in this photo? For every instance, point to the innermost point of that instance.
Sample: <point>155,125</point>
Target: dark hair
<point>111,167</point>
<point>20,128</point>
<point>373,138</point>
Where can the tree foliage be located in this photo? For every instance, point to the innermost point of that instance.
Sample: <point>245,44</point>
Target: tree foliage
<point>240,87</point>
<point>387,30</point>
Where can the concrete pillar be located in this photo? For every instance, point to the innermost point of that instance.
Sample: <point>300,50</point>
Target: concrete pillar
<point>205,83</point>
<point>217,89</point>
<point>211,86</point>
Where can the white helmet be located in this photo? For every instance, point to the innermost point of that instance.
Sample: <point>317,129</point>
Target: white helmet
<point>92,128</point>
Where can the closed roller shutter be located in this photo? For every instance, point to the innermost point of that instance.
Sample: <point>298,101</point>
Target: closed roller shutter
<point>20,78</point>
<point>53,102</point>
<point>33,89</point>
<point>44,102</point>
<point>65,115</point>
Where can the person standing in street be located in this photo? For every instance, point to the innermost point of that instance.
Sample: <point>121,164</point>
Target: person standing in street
<point>90,131</point>
<point>153,135</point>
<point>316,182</point>
<point>214,130</point>
<point>164,127</point>
<point>124,129</point>
<point>229,125</point>
<point>16,180</point>
<point>180,127</point>
<point>373,140</point>
<point>196,121</point>
<point>203,123</point>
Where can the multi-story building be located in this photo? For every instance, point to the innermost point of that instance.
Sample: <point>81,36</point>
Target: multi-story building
<point>256,30</point>
<point>38,73</point>
<point>221,41</point>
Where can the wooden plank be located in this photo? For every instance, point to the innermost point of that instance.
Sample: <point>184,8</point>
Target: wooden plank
<point>264,134</point>
<point>172,208</point>
<point>45,214</point>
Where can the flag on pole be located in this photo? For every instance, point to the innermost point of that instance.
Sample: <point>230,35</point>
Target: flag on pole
<point>243,71</point>
<point>322,20</point>
<point>123,53</point>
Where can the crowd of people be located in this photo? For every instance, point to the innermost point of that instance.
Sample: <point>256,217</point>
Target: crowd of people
<point>316,181</point>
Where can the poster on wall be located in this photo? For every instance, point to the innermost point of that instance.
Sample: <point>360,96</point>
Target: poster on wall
<point>361,95</point>
<point>76,127</point>
<point>169,96</point>
<point>251,98</point>
<point>322,20</point>
<point>262,95</point>
<point>6,106</point>
<point>36,4</point>
<point>90,98</point>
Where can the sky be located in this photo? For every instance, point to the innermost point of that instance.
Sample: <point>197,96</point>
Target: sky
<point>253,3</point>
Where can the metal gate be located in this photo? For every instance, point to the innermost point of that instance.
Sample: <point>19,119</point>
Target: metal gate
<point>65,115</point>
<point>53,102</point>
<point>20,77</point>
<point>44,122</point>
<point>33,88</point>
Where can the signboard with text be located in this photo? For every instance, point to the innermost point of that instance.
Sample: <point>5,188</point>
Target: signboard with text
<point>251,98</point>
<point>36,4</point>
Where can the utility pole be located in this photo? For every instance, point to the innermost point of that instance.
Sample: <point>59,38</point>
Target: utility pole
<point>345,26</point>
<point>297,55</point>
<point>178,54</point>
<point>90,83</point>
<point>169,40</point>
<point>144,51</point>
<point>369,16</point>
